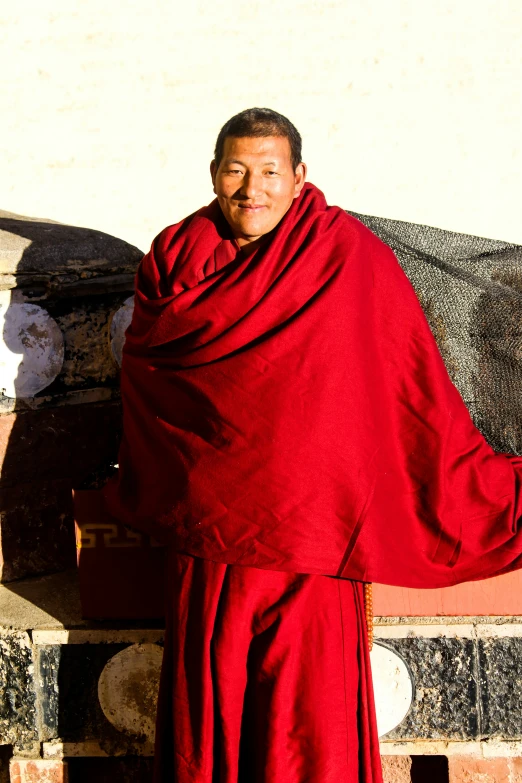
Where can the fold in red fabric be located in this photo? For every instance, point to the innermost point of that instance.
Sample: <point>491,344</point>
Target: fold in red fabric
<point>266,677</point>
<point>291,411</point>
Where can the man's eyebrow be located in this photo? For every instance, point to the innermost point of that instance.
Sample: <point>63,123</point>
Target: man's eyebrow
<point>228,161</point>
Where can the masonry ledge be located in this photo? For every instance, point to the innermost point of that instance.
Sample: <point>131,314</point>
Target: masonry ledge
<point>49,606</point>
<point>52,602</point>
<point>494,748</point>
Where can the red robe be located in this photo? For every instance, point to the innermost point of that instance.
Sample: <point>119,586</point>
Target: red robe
<point>266,678</point>
<point>290,411</point>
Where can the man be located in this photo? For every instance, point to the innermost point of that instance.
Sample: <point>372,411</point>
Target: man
<point>291,432</point>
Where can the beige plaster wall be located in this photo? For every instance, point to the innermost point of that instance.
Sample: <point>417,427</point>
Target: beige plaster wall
<point>408,108</point>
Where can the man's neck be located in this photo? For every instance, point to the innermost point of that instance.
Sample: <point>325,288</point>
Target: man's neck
<point>248,248</point>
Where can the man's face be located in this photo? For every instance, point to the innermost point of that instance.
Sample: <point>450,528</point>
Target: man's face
<point>256,184</point>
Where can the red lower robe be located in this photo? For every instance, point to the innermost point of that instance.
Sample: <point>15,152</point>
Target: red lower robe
<point>266,678</point>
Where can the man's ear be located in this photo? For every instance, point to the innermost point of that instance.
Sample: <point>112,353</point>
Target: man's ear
<point>300,178</point>
<point>213,172</point>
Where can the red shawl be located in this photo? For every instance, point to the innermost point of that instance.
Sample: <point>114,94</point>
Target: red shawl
<point>291,411</point>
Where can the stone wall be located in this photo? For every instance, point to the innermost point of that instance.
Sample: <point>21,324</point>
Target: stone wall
<point>61,290</point>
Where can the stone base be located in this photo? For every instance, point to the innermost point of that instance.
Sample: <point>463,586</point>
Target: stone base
<point>74,704</point>
<point>396,769</point>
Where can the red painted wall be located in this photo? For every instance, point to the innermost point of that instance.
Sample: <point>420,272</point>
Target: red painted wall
<point>499,596</point>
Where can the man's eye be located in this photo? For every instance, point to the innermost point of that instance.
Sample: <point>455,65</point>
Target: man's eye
<point>234,171</point>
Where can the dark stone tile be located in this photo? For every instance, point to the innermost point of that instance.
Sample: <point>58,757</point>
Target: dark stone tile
<point>445,698</point>
<point>17,695</point>
<point>501,686</point>
<point>80,716</point>
<point>47,666</point>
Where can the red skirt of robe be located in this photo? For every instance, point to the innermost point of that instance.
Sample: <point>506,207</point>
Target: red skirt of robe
<point>266,678</point>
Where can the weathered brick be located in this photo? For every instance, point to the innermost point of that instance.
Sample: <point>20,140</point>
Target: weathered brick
<point>515,770</point>
<point>396,769</point>
<point>465,769</point>
<point>38,771</point>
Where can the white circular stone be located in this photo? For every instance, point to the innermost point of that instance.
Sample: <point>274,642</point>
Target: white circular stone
<point>119,324</point>
<point>128,690</point>
<point>392,686</point>
<point>31,349</point>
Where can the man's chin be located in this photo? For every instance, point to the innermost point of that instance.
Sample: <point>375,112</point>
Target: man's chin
<point>252,231</point>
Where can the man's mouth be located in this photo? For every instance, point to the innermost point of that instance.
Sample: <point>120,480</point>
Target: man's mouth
<point>251,207</point>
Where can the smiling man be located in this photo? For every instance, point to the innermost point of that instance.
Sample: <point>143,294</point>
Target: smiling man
<point>291,432</point>
<point>256,180</point>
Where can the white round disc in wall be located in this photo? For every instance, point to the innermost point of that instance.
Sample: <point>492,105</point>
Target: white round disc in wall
<point>393,688</point>
<point>119,324</point>
<point>128,689</point>
<point>31,348</point>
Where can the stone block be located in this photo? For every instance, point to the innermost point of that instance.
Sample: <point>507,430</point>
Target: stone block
<point>47,249</point>
<point>501,686</point>
<point>445,698</point>
<point>396,769</point>
<point>38,771</point>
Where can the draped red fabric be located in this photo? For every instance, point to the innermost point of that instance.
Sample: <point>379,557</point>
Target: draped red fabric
<point>291,411</point>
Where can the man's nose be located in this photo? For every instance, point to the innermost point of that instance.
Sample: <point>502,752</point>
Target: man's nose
<point>252,184</point>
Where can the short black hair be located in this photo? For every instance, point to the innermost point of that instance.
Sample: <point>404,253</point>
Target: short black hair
<point>257,123</point>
